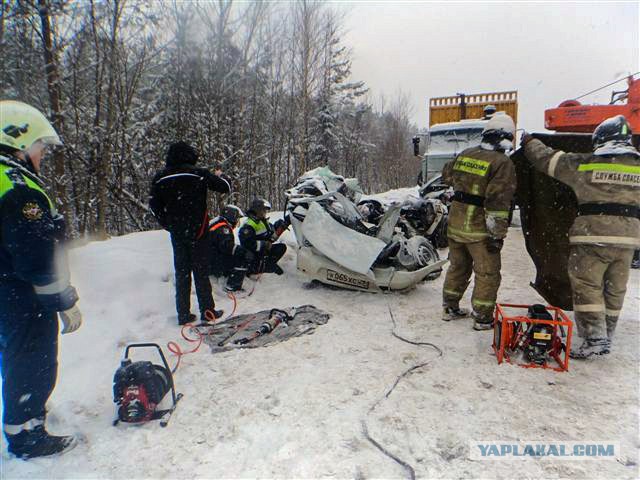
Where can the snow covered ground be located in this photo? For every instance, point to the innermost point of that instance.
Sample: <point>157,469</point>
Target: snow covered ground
<point>294,410</point>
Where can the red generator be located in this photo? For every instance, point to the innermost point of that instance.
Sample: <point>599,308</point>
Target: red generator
<point>532,336</point>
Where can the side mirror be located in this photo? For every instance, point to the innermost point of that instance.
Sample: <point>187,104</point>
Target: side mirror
<point>416,146</point>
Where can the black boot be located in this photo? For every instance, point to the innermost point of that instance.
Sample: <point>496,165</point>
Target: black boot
<point>230,289</point>
<point>38,443</point>
<point>453,313</point>
<point>211,315</point>
<point>482,321</point>
<point>234,282</point>
<point>186,318</point>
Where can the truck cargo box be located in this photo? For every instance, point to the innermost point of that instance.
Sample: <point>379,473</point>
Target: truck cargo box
<point>460,107</point>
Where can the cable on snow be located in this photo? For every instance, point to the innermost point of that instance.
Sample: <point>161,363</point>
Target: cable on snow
<point>365,430</point>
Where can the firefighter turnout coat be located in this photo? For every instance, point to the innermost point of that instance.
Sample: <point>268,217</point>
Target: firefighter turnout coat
<point>604,233</point>
<point>484,182</point>
<point>607,189</point>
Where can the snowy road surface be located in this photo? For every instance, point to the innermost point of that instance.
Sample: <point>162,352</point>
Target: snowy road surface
<point>294,410</point>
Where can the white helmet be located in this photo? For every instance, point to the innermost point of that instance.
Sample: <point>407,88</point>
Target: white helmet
<point>22,125</point>
<point>489,110</point>
<point>498,127</point>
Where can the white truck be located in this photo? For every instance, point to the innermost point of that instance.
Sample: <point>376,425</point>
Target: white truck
<point>456,123</point>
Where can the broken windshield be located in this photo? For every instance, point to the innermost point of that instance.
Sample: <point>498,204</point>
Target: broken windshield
<point>453,141</point>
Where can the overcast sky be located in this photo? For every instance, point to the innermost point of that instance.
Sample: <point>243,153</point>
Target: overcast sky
<point>549,52</point>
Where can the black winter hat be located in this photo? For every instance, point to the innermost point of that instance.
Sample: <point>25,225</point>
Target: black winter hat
<point>181,152</point>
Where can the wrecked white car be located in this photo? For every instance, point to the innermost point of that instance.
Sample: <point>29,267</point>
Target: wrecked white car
<point>336,245</point>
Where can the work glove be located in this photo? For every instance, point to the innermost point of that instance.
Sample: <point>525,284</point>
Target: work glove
<point>525,138</point>
<point>496,226</point>
<point>494,245</point>
<point>71,320</point>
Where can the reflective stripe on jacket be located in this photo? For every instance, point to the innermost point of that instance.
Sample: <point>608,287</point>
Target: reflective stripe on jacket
<point>31,260</point>
<point>596,180</point>
<point>488,178</point>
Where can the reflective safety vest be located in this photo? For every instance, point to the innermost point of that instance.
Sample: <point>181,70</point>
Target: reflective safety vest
<point>221,223</point>
<point>260,227</point>
<point>11,176</point>
<point>47,272</point>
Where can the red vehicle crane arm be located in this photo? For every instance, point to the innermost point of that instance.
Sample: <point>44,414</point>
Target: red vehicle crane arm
<point>572,116</point>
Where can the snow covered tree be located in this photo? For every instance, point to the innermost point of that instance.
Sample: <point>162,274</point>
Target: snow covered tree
<point>263,90</point>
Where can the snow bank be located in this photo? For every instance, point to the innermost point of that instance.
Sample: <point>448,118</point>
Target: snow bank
<point>295,409</point>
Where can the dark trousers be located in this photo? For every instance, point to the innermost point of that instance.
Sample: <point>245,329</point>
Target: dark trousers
<point>191,256</point>
<point>267,262</point>
<point>234,267</point>
<point>223,265</point>
<point>29,347</point>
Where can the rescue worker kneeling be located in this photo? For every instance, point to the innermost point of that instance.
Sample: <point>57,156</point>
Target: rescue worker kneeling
<point>257,236</point>
<point>484,182</point>
<point>227,258</point>
<point>607,229</point>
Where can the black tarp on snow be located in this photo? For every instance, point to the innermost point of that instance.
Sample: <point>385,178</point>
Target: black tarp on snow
<point>547,211</point>
<point>229,334</point>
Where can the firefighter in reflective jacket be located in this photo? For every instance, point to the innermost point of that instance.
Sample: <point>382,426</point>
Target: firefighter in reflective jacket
<point>484,182</point>
<point>228,259</point>
<point>607,229</point>
<point>257,236</point>
<point>34,283</point>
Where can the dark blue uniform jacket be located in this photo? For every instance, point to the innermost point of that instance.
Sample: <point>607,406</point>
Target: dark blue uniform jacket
<point>33,268</point>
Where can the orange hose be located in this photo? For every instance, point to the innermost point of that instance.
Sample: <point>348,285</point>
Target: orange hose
<point>174,348</point>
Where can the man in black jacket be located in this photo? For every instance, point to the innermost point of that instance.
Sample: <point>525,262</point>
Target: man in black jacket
<point>179,201</point>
